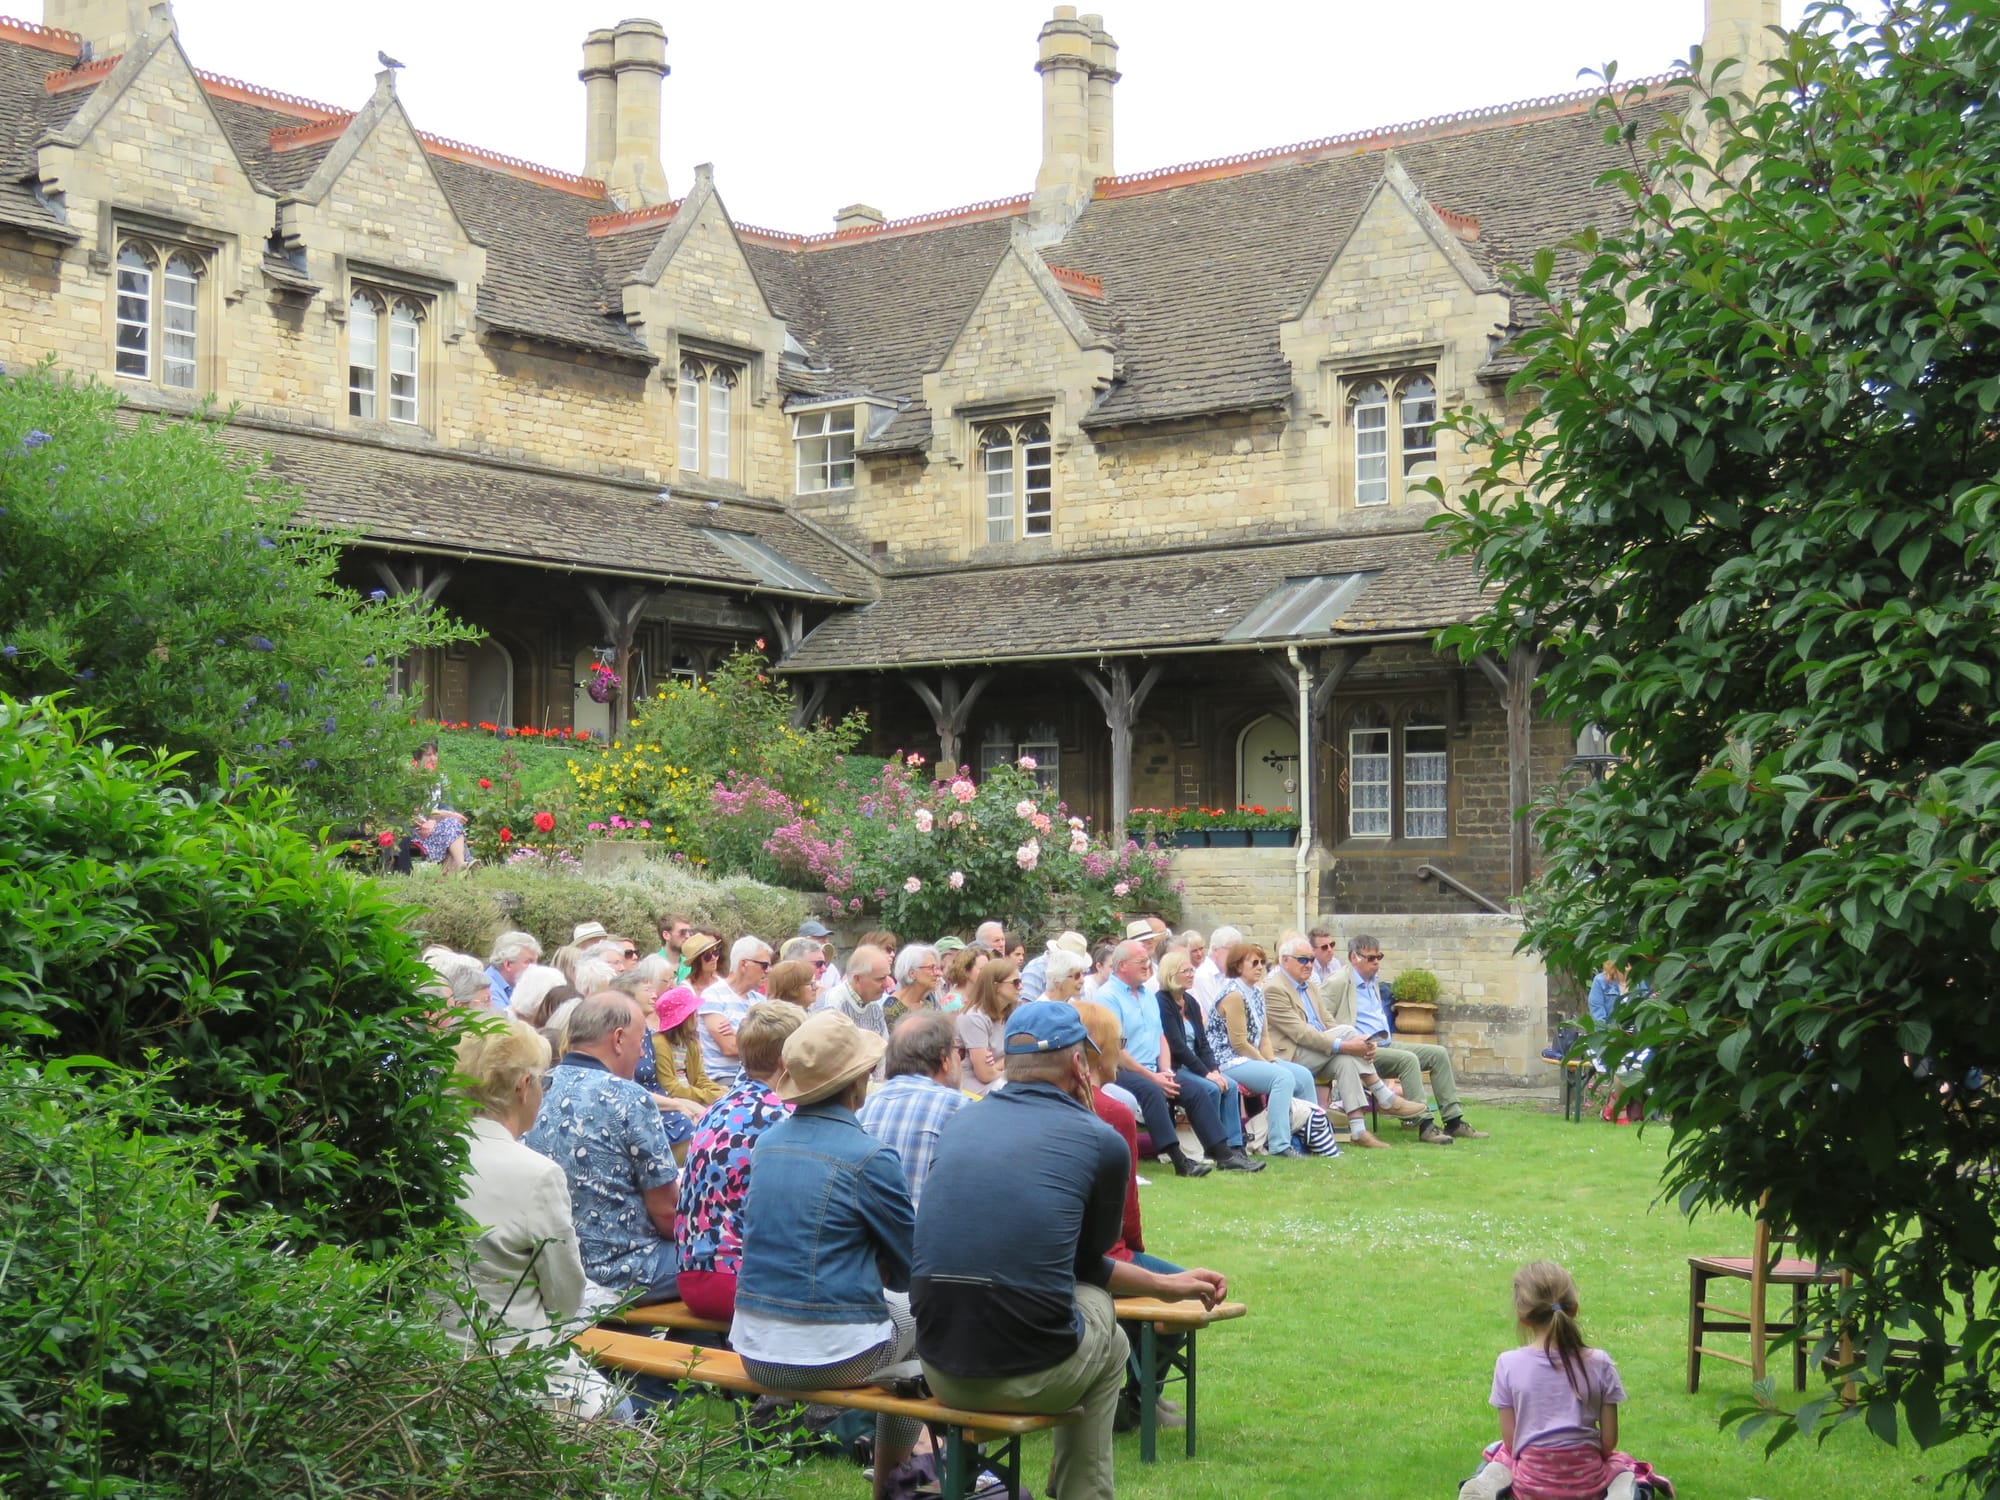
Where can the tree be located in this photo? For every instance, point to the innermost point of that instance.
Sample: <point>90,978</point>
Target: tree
<point>1752,512</point>
<point>152,574</point>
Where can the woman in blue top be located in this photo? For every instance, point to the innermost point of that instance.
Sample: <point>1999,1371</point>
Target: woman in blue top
<point>1242,1046</point>
<point>1607,992</point>
<point>822,1291</point>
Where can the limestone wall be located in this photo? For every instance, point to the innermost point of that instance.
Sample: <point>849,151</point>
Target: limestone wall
<point>1493,1009</point>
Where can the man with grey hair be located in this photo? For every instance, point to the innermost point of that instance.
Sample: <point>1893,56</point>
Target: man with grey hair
<point>1355,1000</point>
<point>859,995</point>
<point>1296,1017</point>
<point>921,1093</point>
<point>917,975</point>
<point>604,1131</point>
<point>725,1002</point>
<point>993,937</point>
<point>1210,979</point>
<point>511,954</point>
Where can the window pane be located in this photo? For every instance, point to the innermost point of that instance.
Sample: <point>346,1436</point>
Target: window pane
<point>135,314</point>
<point>1041,744</point>
<point>809,444</point>
<point>1371,446</point>
<point>1037,490</point>
<point>840,453</point>
<point>178,310</point>
<point>1425,771</point>
<point>362,358</point>
<point>1368,783</point>
<point>719,383</point>
<point>403,363</point>
<point>690,411</point>
<point>1419,416</point>
<point>999,462</point>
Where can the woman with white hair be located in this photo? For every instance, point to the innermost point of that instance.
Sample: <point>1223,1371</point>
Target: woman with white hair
<point>522,1264</point>
<point>725,1003</point>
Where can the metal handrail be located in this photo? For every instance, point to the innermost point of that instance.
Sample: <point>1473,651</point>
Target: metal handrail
<point>1432,872</point>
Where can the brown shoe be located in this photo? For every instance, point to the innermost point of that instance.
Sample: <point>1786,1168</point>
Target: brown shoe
<point>1430,1135</point>
<point>1367,1141</point>
<point>1458,1130</point>
<point>1404,1109</point>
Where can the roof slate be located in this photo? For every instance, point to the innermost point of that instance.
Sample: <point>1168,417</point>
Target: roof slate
<point>508,513</point>
<point>1133,604</point>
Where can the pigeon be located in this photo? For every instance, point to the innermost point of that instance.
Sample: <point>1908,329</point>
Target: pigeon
<point>386,60</point>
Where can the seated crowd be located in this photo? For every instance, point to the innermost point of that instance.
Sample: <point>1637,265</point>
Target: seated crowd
<point>896,1107</point>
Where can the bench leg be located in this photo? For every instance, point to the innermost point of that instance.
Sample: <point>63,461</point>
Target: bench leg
<point>1149,1391</point>
<point>954,1464</point>
<point>1188,1355</point>
<point>1697,1293</point>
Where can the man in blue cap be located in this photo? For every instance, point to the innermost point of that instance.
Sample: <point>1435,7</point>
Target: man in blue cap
<point>1024,1321</point>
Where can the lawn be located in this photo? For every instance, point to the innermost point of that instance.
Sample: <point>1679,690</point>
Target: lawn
<point>1378,1294</point>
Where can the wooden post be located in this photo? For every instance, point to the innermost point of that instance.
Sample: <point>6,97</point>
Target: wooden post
<point>619,616</point>
<point>1515,683</point>
<point>1121,701</point>
<point>950,710</point>
<point>788,626</point>
<point>403,578</point>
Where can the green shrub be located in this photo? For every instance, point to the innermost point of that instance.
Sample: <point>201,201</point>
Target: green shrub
<point>140,924</point>
<point>158,576</point>
<point>1417,987</point>
<point>151,1349</point>
<point>468,912</point>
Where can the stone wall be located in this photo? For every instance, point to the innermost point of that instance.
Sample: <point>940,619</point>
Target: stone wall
<point>1493,1005</point>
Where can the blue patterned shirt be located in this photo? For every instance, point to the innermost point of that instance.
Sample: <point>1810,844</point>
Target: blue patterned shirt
<point>605,1133</point>
<point>906,1114</point>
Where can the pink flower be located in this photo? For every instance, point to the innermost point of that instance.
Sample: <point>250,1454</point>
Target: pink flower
<point>923,819</point>
<point>956,820</point>
<point>1024,809</point>
<point>1121,889</point>
<point>956,880</point>
<point>1028,855</point>
<point>913,885</point>
<point>1026,762</point>
<point>1078,842</point>
<point>913,759</point>
<point>1041,822</point>
<point>964,790</point>
<point>1077,824</point>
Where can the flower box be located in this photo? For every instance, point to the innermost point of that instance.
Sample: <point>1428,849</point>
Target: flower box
<point>1188,838</point>
<point>1273,838</point>
<point>1229,838</point>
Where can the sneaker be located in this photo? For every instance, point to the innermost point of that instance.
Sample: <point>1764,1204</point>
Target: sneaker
<point>1430,1135</point>
<point>1490,1483</point>
<point>1458,1130</point>
<point>1367,1140</point>
<point>1400,1108</point>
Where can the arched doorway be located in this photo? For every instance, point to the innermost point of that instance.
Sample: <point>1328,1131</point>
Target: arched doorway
<point>1267,764</point>
<point>585,711</point>
<point>490,684</point>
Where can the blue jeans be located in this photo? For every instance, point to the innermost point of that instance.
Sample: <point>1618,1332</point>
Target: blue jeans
<point>1229,1105</point>
<point>1277,1082</point>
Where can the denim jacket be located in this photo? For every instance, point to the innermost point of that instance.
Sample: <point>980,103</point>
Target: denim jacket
<point>826,1223</point>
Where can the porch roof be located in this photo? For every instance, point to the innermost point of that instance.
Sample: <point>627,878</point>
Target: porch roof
<point>1143,603</point>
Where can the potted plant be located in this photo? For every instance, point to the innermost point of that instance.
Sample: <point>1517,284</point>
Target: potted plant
<point>1172,827</point>
<point>1227,829</point>
<point>1278,829</point>
<point>1413,1002</point>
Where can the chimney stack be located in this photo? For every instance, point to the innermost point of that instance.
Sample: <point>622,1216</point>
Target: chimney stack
<point>1103,73</point>
<point>857,216</point>
<point>1062,186</point>
<point>1740,30</point>
<point>108,27</point>
<point>600,105</point>
<point>635,178</point>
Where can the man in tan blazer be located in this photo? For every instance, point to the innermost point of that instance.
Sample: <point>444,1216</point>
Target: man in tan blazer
<point>1302,1031</point>
<point>1353,999</point>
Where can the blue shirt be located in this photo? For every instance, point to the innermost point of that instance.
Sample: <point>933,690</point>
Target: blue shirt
<point>906,1114</point>
<point>605,1133</point>
<point>502,990</point>
<point>1306,1003</point>
<point>1370,1019</point>
<point>1138,1019</point>
<point>1026,1196</point>
<point>1605,996</point>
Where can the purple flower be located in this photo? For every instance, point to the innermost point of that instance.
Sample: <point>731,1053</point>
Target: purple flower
<point>8,653</point>
<point>284,689</point>
<point>85,675</point>
<point>326,725</point>
<point>261,643</point>
<point>221,640</point>
<point>311,764</point>
<point>368,661</point>
<point>378,595</point>
<point>35,438</point>
<point>265,544</point>
<point>284,744</point>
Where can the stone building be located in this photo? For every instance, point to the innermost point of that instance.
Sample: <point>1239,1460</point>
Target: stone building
<point>1123,472</point>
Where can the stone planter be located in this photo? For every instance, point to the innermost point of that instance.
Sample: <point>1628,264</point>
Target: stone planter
<point>1229,838</point>
<point>1414,1018</point>
<point>1273,838</point>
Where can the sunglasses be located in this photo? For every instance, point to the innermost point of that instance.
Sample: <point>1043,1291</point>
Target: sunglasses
<point>762,963</point>
<point>629,952</point>
<point>1373,958</point>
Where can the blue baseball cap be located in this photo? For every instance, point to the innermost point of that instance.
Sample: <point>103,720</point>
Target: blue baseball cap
<point>1050,1026</point>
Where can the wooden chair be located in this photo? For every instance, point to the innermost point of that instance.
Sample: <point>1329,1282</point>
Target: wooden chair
<point>1764,1268</point>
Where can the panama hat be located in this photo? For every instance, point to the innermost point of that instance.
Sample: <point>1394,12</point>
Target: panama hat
<point>825,1055</point>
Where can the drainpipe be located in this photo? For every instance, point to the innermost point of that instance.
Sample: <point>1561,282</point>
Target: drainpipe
<point>1303,857</point>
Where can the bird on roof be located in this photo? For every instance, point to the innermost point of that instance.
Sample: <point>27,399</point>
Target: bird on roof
<point>386,60</point>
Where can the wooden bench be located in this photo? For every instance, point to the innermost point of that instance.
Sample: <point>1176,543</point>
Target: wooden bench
<point>968,1436</point>
<point>668,1315</point>
<point>1157,1366</point>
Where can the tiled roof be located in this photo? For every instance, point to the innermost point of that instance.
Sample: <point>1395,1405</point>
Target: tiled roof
<point>27,112</point>
<point>506,512</point>
<point>1110,605</point>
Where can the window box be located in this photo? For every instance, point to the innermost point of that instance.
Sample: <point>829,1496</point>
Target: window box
<point>1273,838</point>
<point>1229,838</point>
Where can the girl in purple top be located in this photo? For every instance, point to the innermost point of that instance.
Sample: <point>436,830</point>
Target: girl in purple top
<point>1558,1400</point>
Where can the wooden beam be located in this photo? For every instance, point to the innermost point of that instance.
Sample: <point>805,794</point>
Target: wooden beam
<point>950,711</point>
<point>808,698</point>
<point>1515,683</point>
<point>408,581</point>
<point>1121,699</point>
<point>620,615</point>
<point>788,624</point>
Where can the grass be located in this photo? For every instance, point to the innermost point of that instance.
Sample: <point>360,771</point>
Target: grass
<point>1378,1288</point>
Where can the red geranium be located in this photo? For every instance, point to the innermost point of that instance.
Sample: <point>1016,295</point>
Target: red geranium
<point>385,838</point>
<point>485,785</point>
<point>545,822</point>
<point>506,835</point>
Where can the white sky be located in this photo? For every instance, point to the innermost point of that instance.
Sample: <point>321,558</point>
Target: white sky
<point>915,105</point>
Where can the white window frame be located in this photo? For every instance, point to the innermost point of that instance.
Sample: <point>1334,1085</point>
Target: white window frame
<point>385,356</point>
<point>1000,748</point>
<point>823,445</point>
<point>1392,423</point>
<point>706,405</point>
<point>1370,749</point>
<point>1426,781</point>
<point>1017,479</point>
<point>157,303</point>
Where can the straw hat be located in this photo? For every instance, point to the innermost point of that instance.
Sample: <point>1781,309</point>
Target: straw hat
<point>826,1054</point>
<point>584,932</point>
<point>1071,942</point>
<point>1139,928</point>
<point>695,946</point>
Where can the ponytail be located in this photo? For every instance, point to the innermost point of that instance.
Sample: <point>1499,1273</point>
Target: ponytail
<point>1545,1297</point>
